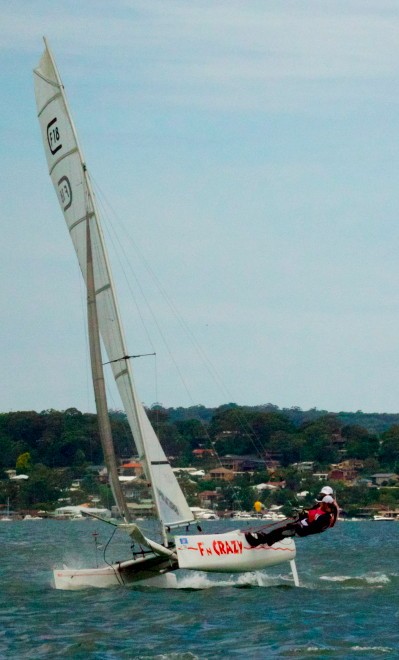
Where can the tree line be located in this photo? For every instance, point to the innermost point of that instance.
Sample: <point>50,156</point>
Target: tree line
<point>70,438</point>
<point>55,447</point>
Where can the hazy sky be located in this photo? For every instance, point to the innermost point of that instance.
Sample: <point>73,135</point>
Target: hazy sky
<point>249,155</point>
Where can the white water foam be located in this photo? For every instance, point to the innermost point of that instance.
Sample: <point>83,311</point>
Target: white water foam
<point>377,578</point>
<point>73,561</point>
<point>380,649</point>
<point>200,580</point>
<point>185,655</point>
<point>360,649</point>
<point>369,578</point>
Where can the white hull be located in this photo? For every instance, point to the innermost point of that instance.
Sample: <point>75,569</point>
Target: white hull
<point>230,553</point>
<point>102,578</point>
<point>135,571</point>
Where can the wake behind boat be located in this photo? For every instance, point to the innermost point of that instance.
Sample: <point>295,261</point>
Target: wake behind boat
<point>159,564</point>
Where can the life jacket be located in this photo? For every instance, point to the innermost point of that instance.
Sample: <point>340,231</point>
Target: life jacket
<point>313,514</point>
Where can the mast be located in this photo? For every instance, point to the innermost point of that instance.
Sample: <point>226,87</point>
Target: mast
<point>97,370</point>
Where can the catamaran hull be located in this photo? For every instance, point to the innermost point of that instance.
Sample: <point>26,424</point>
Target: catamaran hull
<point>229,553</point>
<point>150,571</point>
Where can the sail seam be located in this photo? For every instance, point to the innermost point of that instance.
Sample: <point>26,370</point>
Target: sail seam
<point>77,222</point>
<point>48,102</point>
<point>68,153</point>
<point>121,373</point>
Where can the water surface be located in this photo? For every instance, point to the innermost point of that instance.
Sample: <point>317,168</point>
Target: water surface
<point>347,605</point>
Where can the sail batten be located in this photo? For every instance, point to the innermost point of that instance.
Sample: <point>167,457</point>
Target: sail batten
<point>120,374</point>
<point>78,222</point>
<point>72,151</point>
<point>72,184</point>
<point>103,288</point>
<point>56,96</point>
<point>47,80</point>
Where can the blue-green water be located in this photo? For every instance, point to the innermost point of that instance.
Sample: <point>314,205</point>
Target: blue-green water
<point>347,605</point>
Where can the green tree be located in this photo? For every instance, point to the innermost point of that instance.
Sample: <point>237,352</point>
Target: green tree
<point>193,431</point>
<point>41,490</point>
<point>389,450</point>
<point>26,427</point>
<point>288,446</point>
<point>242,431</point>
<point>317,436</point>
<point>23,463</point>
<point>7,451</point>
<point>360,443</point>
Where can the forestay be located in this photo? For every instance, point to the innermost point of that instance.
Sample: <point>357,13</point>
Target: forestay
<point>72,184</point>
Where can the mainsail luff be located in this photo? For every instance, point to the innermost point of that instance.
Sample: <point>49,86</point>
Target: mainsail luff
<point>72,183</point>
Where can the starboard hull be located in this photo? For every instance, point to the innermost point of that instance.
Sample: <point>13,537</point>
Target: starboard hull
<point>230,553</point>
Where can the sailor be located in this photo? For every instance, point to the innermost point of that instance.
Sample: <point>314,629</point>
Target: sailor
<point>325,491</point>
<point>258,506</point>
<point>315,521</point>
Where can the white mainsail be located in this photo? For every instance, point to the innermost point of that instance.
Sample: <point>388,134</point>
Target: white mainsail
<point>73,187</point>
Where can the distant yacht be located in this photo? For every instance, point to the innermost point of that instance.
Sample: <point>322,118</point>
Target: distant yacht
<point>387,516</point>
<point>6,517</point>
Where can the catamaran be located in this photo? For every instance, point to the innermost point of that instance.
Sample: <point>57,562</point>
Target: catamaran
<point>162,561</point>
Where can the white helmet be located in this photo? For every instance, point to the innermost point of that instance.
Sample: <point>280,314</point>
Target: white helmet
<point>327,490</point>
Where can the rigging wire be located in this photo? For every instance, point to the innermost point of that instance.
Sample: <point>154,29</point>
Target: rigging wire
<point>110,227</point>
<point>117,575</point>
<point>241,418</point>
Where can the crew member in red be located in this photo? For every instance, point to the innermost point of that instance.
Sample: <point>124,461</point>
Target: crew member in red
<point>315,521</point>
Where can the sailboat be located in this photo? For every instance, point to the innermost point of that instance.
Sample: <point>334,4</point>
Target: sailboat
<point>161,562</point>
<point>6,517</point>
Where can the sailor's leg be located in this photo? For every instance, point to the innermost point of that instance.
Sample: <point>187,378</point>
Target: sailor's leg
<point>280,533</point>
<point>261,538</point>
<point>255,538</point>
<point>276,535</point>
